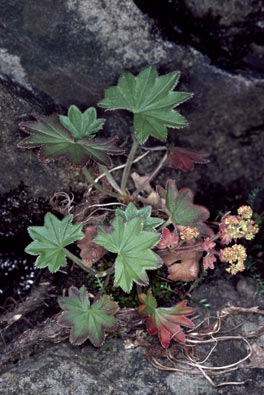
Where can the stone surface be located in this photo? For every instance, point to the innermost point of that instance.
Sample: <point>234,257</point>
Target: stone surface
<point>227,12</point>
<point>115,370</point>
<point>22,166</point>
<point>70,51</point>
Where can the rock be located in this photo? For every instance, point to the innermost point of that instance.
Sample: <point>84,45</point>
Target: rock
<point>22,166</point>
<point>116,370</point>
<point>70,52</point>
<point>228,13</point>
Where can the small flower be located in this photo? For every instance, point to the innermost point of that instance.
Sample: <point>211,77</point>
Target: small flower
<point>189,233</point>
<point>245,212</point>
<point>234,255</point>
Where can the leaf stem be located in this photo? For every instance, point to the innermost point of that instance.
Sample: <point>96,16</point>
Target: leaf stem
<point>166,223</point>
<point>153,174</point>
<point>90,179</point>
<point>78,262</point>
<point>110,179</point>
<point>129,162</point>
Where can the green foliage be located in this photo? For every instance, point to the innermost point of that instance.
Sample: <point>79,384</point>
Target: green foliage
<point>50,240</point>
<point>151,99</point>
<point>86,321</point>
<point>132,246</point>
<point>253,196</point>
<point>131,236</point>
<point>181,209</point>
<point>131,211</point>
<point>77,147</point>
<point>80,124</point>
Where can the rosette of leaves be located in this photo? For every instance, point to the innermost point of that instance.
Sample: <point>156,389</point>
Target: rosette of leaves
<point>151,99</point>
<point>165,321</point>
<point>133,246</point>
<point>70,137</point>
<point>131,211</point>
<point>49,241</point>
<point>85,320</point>
<point>181,209</point>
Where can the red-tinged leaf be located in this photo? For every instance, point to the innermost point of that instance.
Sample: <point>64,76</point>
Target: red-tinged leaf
<point>208,261</point>
<point>182,211</point>
<point>56,142</point>
<point>85,320</point>
<point>90,252</point>
<point>168,239</point>
<point>165,321</point>
<point>184,159</point>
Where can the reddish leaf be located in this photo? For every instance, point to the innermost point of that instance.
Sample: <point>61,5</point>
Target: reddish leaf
<point>168,239</point>
<point>165,321</point>
<point>56,142</point>
<point>90,252</point>
<point>188,267</point>
<point>184,159</point>
<point>208,261</point>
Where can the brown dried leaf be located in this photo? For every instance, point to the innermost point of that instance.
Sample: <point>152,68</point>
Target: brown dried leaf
<point>90,252</point>
<point>139,180</point>
<point>187,269</point>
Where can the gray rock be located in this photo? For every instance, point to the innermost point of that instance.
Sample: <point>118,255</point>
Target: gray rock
<point>114,369</point>
<point>227,12</point>
<point>22,166</point>
<point>69,52</point>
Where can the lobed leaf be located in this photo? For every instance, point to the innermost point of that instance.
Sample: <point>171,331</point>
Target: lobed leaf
<point>182,211</point>
<point>131,211</point>
<point>55,142</point>
<point>80,124</point>
<point>165,321</point>
<point>184,159</point>
<point>86,321</point>
<point>151,99</point>
<point>133,248</point>
<point>168,239</point>
<point>90,252</point>
<point>50,240</point>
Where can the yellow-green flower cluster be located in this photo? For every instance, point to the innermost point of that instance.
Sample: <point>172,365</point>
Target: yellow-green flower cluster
<point>234,255</point>
<point>189,233</point>
<point>241,225</point>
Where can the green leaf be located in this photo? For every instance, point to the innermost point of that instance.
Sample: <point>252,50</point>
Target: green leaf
<point>80,124</point>
<point>182,211</point>
<point>151,99</point>
<point>86,321</point>
<point>165,321</point>
<point>57,142</point>
<point>132,246</point>
<point>50,240</point>
<point>131,211</point>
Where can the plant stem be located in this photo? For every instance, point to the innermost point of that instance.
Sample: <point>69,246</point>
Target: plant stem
<point>110,179</point>
<point>89,178</point>
<point>78,262</point>
<point>130,158</point>
<point>142,186</point>
<point>166,223</point>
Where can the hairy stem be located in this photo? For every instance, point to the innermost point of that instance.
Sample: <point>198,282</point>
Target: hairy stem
<point>78,262</point>
<point>128,165</point>
<point>90,179</point>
